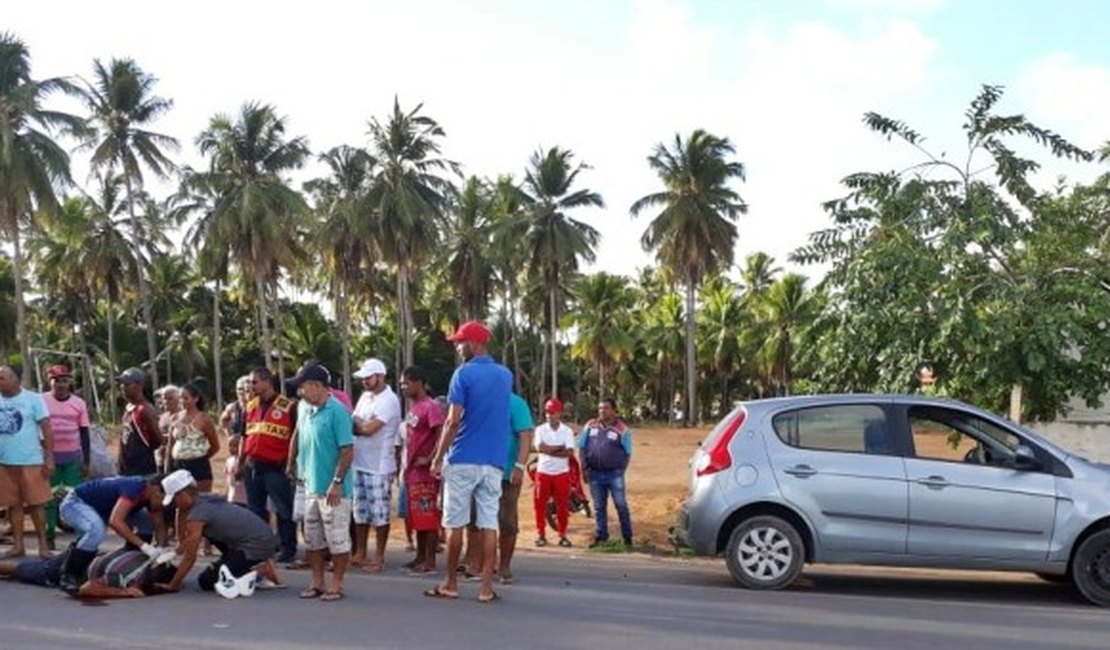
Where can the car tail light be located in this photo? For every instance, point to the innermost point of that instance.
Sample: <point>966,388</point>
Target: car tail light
<point>716,456</point>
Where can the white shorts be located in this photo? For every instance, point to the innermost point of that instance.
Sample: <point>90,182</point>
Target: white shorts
<point>327,527</point>
<point>461,484</point>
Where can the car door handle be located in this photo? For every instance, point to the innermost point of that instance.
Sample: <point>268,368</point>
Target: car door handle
<point>933,482</point>
<point>801,471</point>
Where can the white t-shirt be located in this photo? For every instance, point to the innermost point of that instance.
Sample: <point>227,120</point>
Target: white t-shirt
<point>561,437</point>
<point>376,453</point>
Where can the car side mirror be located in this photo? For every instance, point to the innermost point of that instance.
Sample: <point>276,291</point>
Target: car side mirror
<point>1025,460</point>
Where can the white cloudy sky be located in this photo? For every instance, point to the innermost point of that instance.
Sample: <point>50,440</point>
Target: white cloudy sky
<point>787,82</point>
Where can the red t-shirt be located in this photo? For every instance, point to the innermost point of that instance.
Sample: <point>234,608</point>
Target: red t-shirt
<point>424,421</point>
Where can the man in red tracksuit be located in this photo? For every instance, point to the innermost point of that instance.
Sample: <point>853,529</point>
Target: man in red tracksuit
<point>555,444</point>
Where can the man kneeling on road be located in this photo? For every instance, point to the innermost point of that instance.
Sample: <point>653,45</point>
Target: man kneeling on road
<point>129,505</point>
<point>245,541</point>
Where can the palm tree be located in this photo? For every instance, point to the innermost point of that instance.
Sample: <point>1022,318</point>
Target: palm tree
<point>409,198</point>
<point>344,237</point>
<point>469,258</point>
<point>695,232</point>
<point>32,165</point>
<point>602,305</point>
<point>256,215</point>
<point>122,103</point>
<point>508,228</point>
<point>8,338</point>
<point>722,322</point>
<point>788,308</point>
<point>554,241</point>
<point>108,260</point>
<point>757,275</point>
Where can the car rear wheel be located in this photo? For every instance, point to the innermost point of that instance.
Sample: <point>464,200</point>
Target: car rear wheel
<point>1090,568</point>
<point>765,552</point>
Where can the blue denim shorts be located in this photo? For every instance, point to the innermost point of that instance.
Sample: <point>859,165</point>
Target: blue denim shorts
<point>461,483</point>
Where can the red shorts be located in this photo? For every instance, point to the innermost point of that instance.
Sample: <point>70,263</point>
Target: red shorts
<point>423,506</point>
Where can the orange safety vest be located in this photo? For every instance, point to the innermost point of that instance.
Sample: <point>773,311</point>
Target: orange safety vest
<point>269,429</point>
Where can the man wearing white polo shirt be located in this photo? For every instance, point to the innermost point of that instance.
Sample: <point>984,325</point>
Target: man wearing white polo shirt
<point>377,419</point>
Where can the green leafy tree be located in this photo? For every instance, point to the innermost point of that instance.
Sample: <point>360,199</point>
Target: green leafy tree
<point>257,217</point>
<point>556,242</point>
<point>122,104</point>
<point>32,164</point>
<point>469,258</point>
<point>409,198</point>
<point>345,234</point>
<point>964,264</point>
<point>694,233</point>
<point>602,306</point>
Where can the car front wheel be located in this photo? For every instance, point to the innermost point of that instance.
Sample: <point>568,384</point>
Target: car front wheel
<point>765,552</point>
<point>1090,568</point>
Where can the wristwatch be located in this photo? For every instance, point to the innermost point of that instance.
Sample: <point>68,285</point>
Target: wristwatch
<point>337,480</point>
<point>521,467</point>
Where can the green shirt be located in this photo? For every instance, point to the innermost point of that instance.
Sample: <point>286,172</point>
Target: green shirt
<point>322,432</point>
<point>520,421</point>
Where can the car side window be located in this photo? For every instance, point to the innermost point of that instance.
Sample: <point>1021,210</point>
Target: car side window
<point>956,436</point>
<point>859,428</point>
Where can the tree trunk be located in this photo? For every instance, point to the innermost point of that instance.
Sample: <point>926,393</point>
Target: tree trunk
<point>406,313</point>
<point>1015,403</point>
<point>263,323</point>
<point>554,343</point>
<point>110,311</point>
<point>144,288</point>
<point>691,380</point>
<point>279,349</point>
<point>342,313</point>
<point>20,307</point>
<point>217,368</point>
<point>513,344</point>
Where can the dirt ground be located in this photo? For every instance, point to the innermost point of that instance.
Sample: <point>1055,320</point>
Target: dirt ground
<point>657,481</point>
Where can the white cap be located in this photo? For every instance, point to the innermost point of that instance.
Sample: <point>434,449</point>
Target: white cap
<point>176,482</point>
<point>369,368</point>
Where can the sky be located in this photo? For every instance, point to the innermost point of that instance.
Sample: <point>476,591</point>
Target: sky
<point>787,81</point>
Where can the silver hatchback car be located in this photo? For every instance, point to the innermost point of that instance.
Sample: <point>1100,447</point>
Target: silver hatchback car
<point>896,480</point>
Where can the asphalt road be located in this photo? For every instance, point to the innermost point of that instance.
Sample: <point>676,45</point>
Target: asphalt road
<point>584,601</point>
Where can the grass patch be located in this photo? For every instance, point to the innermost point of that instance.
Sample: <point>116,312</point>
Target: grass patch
<point>610,546</point>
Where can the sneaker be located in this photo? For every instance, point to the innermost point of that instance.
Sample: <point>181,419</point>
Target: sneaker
<point>598,542</point>
<point>265,584</point>
<point>564,542</point>
<point>245,584</point>
<point>541,541</point>
<point>227,585</point>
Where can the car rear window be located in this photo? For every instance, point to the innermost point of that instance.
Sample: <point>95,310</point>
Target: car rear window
<point>857,428</point>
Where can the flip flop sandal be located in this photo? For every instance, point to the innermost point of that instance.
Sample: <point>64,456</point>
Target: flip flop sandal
<point>564,542</point>
<point>436,592</point>
<point>540,541</point>
<point>331,596</point>
<point>311,592</point>
<point>489,599</point>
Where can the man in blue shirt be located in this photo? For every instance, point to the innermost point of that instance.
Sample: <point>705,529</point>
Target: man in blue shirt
<point>604,449</point>
<point>26,459</point>
<point>322,450</point>
<point>474,445</point>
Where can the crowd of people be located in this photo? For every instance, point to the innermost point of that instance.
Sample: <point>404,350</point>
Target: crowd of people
<point>304,465</point>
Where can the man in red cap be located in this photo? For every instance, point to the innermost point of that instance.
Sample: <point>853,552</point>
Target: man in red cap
<point>555,444</point>
<point>474,445</point>
<point>69,418</point>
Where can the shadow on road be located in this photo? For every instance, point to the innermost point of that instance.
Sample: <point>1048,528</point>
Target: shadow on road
<point>933,585</point>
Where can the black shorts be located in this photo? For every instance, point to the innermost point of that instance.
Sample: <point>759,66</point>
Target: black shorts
<point>200,468</point>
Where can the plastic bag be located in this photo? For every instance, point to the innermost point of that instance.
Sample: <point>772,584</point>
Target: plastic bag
<point>299,502</point>
<point>100,461</point>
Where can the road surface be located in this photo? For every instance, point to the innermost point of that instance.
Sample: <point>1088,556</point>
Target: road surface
<point>584,601</point>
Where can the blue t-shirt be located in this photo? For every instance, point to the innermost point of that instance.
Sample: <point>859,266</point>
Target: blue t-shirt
<point>101,494</point>
<point>20,416</point>
<point>321,433</point>
<point>481,387</point>
<point>520,420</point>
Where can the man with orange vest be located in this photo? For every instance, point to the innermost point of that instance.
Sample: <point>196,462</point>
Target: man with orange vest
<point>270,420</point>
